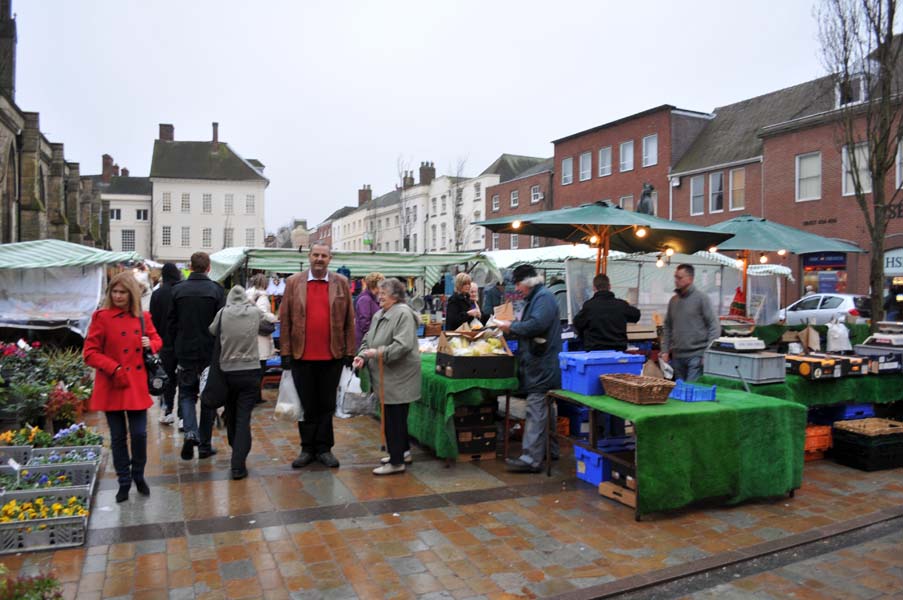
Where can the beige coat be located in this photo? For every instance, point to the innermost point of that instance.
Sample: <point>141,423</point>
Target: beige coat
<point>265,346</point>
<point>394,334</point>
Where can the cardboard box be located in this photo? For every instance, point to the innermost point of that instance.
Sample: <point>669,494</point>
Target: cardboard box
<point>493,366</point>
<point>808,337</point>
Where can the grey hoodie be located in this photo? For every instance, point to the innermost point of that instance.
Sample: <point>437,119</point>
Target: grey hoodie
<point>237,324</point>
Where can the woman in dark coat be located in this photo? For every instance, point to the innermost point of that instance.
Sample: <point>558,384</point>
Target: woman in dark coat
<point>114,347</point>
<point>460,308</point>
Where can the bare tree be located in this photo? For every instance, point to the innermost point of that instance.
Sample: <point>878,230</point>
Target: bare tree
<point>460,223</point>
<point>408,226</point>
<point>861,53</point>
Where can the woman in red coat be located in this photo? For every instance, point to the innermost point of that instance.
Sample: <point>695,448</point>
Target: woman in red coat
<point>114,348</point>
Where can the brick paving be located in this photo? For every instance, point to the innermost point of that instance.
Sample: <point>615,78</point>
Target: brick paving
<point>469,531</point>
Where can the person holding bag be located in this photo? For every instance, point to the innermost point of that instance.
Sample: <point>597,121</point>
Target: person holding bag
<point>461,308</point>
<point>257,295</point>
<point>391,351</point>
<point>236,326</point>
<point>115,347</point>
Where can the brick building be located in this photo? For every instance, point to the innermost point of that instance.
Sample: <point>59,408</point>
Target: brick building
<point>524,192</point>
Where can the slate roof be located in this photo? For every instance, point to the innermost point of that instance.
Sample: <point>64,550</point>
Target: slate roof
<point>134,186</point>
<point>621,120</point>
<point>256,163</point>
<point>543,167</point>
<point>339,213</point>
<point>197,160</point>
<point>509,166</point>
<point>733,135</point>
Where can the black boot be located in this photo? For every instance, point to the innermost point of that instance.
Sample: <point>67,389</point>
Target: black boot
<point>123,494</point>
<point>141,486</point>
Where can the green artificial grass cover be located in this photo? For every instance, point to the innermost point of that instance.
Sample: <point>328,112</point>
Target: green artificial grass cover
<point>430,420</point>
<point>861,389</point>
<point>743,446</point>
<point>770,334</point>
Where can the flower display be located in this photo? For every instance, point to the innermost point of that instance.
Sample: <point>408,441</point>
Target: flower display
<point>27,436</point>
<point>77,435</point>
<point>64,405</point>
<point>40,508</point>
<point>29,480</point>
<point>72,456</point>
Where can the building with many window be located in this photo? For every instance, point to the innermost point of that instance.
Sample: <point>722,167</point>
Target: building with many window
<point>205,197</point>
<point>520,192</point>
<point>128,205</point>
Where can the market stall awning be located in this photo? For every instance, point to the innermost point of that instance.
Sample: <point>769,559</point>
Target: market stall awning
<point>391,264</point>
<point>761,235</point>
<point>46,254</point>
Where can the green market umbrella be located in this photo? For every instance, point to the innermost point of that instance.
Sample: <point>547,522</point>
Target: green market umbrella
<point>756,234</point>
<point>608,227</point>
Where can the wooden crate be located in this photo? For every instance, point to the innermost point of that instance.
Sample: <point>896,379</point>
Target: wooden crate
<point>618,494</point>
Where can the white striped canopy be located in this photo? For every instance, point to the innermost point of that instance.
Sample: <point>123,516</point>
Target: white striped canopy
<point>46,254</point>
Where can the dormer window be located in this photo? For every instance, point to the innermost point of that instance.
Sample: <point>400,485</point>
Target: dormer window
<point>851,90</point>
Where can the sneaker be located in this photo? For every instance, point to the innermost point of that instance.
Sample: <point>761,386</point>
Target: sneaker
<point>408,459</point>
<point>167,419</point>
<point>388,469</point>
<point>181,425</point>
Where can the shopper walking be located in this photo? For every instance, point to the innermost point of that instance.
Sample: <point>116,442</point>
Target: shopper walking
<point>115,347</point>
<point>257,295</point>
<point>366,306</point>
<point>160,305</point>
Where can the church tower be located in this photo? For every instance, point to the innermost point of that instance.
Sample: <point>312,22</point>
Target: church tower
<point>7,50</point>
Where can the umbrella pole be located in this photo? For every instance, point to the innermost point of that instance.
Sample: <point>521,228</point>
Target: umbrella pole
<point>598,259</point>
<point>605,251</point>
<point>745,281</point>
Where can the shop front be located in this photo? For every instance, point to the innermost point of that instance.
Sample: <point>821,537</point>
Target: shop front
<point>826,272</point>
<point>893,284</point>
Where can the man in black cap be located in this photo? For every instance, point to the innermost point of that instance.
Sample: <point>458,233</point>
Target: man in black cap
<point>539,342</point>
<point>602,322</point>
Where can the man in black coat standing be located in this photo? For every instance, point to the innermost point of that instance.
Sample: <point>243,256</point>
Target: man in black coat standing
<point>602,322</point>
<point>160,305</point>
<point>195,303</point>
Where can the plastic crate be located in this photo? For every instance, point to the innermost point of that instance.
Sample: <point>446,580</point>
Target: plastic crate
<point>826,415</point>
<point>620,443</point>
<point>578,418</point>
<point>62,451</point>
<point>591,465</point>
<point>867,454</point>
<point>512,345</point>
<point>20,454</point>
<point>46,534</point>
<point>82,476</point>
<point>621,468</point>
<point>818,438</point>
<point>689,392</point>
<point>757,367</point>
<point>580,371</point>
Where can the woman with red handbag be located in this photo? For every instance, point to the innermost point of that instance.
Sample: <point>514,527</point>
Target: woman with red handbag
<point>115,347</point>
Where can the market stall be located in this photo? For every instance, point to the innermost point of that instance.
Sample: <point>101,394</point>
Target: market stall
<point>877,389</point>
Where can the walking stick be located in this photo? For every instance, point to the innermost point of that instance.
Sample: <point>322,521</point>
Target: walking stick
<point>382,402</point>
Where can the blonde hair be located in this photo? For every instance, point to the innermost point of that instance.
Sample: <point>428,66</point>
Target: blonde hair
<point>127,280</point>
<point>461,279</point>
<point>372,280</point>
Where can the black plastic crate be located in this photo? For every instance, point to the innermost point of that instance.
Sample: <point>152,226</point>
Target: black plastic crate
<point>868,453</point>
<point>474,416</point>
<point>477,440</point>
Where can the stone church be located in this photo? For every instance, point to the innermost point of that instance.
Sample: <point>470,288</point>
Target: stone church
<point>41,194</point>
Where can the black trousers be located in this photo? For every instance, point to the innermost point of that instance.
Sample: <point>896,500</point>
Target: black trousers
<point>317,382</point>
<point>397,432</point>
<point>168,358</point>
<point>243,390</point>
<point>127,468</point>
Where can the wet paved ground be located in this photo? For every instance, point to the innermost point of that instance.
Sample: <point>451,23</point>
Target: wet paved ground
<point>469,531</point>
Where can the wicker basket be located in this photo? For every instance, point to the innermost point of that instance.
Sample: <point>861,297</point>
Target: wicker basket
<point>637,389</point>
<point>871,427</point>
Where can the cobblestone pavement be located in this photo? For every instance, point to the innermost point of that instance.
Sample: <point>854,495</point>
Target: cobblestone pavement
<point>469,531</point>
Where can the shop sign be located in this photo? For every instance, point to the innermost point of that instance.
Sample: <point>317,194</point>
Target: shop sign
<point>893,262</point>
<point>825,260</point>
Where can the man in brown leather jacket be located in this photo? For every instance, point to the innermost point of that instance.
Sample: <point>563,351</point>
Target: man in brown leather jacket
<point>317,337</point>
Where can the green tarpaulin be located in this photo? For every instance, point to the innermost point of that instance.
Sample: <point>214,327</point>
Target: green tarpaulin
<point>756,233</point>
<point>863,389</point>
<point>743,446</point>
<point>48,254</point>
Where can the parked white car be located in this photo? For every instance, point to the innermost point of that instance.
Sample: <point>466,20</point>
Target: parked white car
<point>823,307</point>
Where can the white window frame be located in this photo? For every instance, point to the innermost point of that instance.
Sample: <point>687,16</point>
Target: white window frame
<point>166,236</point>
<point>731,184</point>
<point>515,198</point>
<point>207,237</point>
<point>167,202</point>
<point>712,208</point>
<point>142,214</point>
<point>624,166</point>
<point>128,233</point>
<point>514,242</point>
<point>250,204</point>
<point>796,177</point>
<point>229,204</point>
<point>567,170</point>
<point>535,194</point>
<point>495,203</point>
<point>647,160</point>
<point>701,180</point>
<point>228,237</point>
<point>207,203</point>
<point>250,237</point>
<point>186,203</point>
<point>186,236</point>
<point>115,214</point>
<point>628,197</point>
<point>867,184</point>
<point>534,241</point>
<point>586,166</point>
<point>477,191</point>
<point>605,165</point>
<point>495,241</point>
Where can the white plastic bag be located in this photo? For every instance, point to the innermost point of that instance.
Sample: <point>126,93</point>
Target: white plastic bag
<point>202,382</point>
<point>349,399</point>
<point>838,337</point>
<point>288,404</point>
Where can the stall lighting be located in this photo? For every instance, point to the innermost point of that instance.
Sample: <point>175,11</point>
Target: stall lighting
<point>594,239</point>
<point>641,232</point>
<point>669,251</point>
<point>782,252</point>
<point>763,259</point>
<point>515,225</point>
<point>713,249</point>
<point>739,263</point>
<point>659,263</point>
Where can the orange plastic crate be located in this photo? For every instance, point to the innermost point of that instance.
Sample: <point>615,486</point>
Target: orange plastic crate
<point>818,438</point>
<point>563,426</point>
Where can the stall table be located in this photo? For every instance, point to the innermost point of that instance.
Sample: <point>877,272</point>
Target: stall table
<point>430,420</point>
<point>860,389</point>
<point>742,446</point>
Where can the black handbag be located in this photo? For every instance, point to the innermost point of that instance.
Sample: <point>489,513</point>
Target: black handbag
<point>157,379</point>
<point>213,396</point>
<point>266,328</point>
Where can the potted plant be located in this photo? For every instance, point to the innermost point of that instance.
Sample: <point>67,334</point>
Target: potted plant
<point>29,400</point>
<point>38,587</point>
<point>63,407</point>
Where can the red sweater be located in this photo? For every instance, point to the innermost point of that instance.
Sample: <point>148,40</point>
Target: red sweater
<point>316,345</point>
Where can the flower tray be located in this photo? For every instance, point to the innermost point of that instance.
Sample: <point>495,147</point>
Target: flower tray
<point>45,534</point>
<point>637,389</point>
<point>82,477</point>
<point>38,455</point>
<point>20,454</point>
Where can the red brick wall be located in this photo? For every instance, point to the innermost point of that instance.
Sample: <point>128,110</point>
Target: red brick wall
<point>524,205</point>
<point>680,200</point>
<point>616,185</point>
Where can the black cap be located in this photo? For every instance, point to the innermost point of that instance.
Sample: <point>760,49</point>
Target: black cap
<point>523,272</point>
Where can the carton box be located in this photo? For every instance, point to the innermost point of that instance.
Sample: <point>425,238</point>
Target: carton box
<point>493,366</point>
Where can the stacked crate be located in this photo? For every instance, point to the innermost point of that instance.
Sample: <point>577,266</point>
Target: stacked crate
<point>868,444</point>
<point>476,431</point>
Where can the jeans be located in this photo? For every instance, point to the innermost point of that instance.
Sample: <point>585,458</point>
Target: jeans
<point>397,442</point>
<point>127,468</point>
<point>317,382</point>
<point>243,390</point>
<point>169,391</point>
<point>688,368</point>
<point>533,448</point>
<point>189,387</point>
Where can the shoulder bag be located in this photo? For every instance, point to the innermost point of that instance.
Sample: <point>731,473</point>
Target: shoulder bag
<point>215,390</point>
<point>157,379</point>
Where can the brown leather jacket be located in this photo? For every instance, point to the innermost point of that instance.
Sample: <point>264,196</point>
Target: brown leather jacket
<point>293,317</point>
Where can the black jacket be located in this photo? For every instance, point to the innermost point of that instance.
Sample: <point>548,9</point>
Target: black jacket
<point>456,311</point>
<point>160,306</point>
<point>195,303</point>
<point>602,322</point>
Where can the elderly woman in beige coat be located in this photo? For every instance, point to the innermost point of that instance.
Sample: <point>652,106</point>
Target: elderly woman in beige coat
<point>393,337</point>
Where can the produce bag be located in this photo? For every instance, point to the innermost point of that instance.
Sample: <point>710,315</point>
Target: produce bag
<point>350,400</point>
<point>288,404</point>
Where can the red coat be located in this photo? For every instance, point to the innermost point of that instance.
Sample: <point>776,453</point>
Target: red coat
<point>114,340</point>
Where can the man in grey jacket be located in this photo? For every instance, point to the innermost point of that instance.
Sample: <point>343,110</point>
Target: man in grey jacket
<point>690,326</point>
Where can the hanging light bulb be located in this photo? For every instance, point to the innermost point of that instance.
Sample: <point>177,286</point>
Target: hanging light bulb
<point>669,251</point>
<point>641,232</point>
<point>594,239</point>
<point>739,263</point>
<point>713,249</point>
<point>782,252</point>
<point>659,263</point>
<point>515,225</point>
<point>763,258</point>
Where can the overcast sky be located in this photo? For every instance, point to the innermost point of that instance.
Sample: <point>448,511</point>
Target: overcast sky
<point>329,95</point>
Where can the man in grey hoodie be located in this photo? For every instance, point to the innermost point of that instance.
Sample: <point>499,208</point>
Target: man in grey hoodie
<point>690,326</point>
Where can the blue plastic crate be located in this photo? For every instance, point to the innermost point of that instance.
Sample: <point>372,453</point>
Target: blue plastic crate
<point>826,415</point>
<point>512,345</point>
<point>591,465</point>
<point>688,392</point>
<point>578,416</point>
<point>619,443</point>
<point>580,370</point>
<point>275,361</point>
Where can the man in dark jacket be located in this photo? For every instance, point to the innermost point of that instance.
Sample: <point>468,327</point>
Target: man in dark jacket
<point>160,305</point>
<point>195,303</point>
<point>539,342</point>
<point>602,322</point>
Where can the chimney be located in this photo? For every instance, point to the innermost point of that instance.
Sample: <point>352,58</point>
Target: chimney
<point>215,136</point>
<point>125,172</point>
<point>107,171</point>
<point>364,195</point>
<point>427,173</point>
<point>167,132</point>
<point>408,180</point>
<point>116,170</point>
